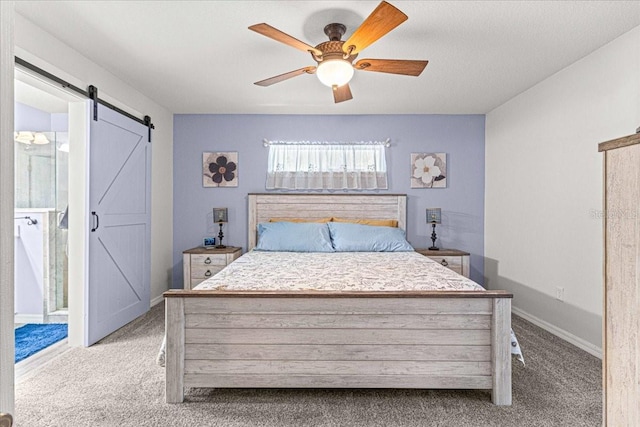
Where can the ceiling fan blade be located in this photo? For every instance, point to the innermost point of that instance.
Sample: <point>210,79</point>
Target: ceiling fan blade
<point>342,93</point>
<point>285,76</point>
<point>383,19</point>
<point>273,33</point>
<point>393,66</point>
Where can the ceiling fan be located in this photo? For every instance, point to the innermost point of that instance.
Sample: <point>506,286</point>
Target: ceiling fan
<point>335,57</point>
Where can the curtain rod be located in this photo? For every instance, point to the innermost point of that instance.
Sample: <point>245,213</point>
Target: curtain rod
<point>91,93</point>
<point>266,142</point>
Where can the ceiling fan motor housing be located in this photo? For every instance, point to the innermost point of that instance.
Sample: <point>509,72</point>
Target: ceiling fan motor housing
<point>332,50</point>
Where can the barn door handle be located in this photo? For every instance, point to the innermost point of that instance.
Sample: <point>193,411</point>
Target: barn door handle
<point>97,221</point>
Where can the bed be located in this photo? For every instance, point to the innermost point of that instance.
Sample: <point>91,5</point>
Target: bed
<point>327,333</point>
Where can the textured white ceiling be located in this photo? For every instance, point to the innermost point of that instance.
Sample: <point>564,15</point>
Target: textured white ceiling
<point>199,57</point>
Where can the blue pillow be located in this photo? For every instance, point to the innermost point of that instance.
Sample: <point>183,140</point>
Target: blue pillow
<point>293,237</point>
<point>347,237</point>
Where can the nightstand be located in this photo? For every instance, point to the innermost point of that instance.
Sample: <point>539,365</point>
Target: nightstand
<point>201,263</point>
<point>453,259</point>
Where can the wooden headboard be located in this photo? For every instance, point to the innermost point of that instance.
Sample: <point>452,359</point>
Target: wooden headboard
<point>262,207</point>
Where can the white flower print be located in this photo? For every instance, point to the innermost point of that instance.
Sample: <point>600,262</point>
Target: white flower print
<point>426,170</point>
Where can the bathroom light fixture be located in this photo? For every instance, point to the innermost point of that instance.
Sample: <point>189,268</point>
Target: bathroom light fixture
<point>62,142</point>
<point>40,139</point>
<point>434,216</point>
<point>334,72</point>
<point>23,137</point>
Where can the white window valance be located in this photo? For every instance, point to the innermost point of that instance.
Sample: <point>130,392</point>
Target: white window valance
<point>326,166</point>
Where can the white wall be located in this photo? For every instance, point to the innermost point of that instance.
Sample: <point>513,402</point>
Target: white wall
<point>43,50</point>
<point>31,262</point>
<point>544,187</point>
<point>7,351</point>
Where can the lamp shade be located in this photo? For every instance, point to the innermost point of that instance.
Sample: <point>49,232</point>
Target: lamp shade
<point>220,215</point>
<point>334,72</point>
<point>434,215</point>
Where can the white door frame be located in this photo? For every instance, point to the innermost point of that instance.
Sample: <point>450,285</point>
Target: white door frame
<point>78,272</point>
<point>7,352</point>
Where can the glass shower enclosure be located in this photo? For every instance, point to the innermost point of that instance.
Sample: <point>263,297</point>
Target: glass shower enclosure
<point>41,200</point>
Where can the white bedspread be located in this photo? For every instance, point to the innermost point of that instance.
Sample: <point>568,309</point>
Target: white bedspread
<point>341,271</point>
<point>337,271</point>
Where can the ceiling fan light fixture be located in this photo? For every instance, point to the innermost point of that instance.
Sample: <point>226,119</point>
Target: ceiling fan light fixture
<point>336,57</point>
<point>334,72</point>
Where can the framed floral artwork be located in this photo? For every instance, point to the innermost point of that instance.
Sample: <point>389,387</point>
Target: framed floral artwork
<point>220,169</point>
<point>428,170</point>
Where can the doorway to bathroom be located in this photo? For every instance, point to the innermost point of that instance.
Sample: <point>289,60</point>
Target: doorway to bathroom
<point>41,176</point>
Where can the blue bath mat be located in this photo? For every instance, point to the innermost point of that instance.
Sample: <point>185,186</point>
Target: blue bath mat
<point>33,337</point>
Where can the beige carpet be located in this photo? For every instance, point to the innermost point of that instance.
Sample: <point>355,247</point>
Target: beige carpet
<point>117,383</point>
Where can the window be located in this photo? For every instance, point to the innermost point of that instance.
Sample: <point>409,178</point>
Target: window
<point>330,166</point>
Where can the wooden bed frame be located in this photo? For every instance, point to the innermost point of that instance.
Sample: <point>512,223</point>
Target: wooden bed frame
<point>420,339</point>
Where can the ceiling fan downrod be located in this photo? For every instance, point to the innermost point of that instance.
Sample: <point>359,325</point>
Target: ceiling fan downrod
<point>335,31</point>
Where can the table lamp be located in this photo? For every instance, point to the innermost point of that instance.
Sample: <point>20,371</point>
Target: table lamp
<point>434,216</point>
<point>220,215</point>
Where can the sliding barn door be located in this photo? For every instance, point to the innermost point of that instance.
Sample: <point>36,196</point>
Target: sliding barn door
<point>119,239</point>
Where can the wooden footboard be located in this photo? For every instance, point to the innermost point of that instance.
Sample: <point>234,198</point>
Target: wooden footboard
<point>425,340</point>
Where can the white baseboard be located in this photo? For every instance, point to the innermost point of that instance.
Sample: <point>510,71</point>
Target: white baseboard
<point>560,333</point>
<point>28,318</point>
<point>157,300</point>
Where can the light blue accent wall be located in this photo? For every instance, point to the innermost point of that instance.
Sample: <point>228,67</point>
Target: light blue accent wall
<point>35,120</point>
<point>59,122</point>
<point>460,136</point>
<point>31,119</point>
